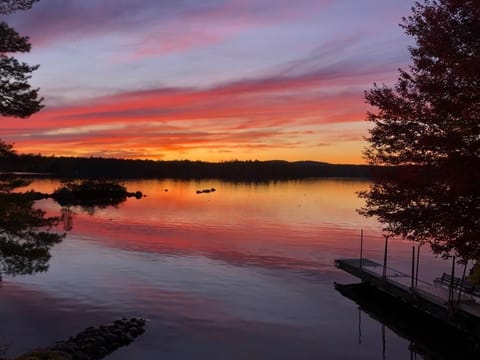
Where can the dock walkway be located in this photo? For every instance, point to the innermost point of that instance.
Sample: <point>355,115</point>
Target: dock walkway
<point>464,314</point>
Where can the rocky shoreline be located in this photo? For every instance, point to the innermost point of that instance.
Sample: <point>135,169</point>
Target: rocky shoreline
<point>92,343</point>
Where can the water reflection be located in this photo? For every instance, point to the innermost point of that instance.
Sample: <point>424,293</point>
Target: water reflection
<point>67,218</point>
<point>269,225</point>
<point>88,195</point>
<point>429,337</point>
<point>25,236</point>
<point>435,205</point>
<point>249,266</point>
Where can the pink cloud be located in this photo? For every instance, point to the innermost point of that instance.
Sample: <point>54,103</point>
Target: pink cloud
<point>264,115</point>
<point>155,27</point>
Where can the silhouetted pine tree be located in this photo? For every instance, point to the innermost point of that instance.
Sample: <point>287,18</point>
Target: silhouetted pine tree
<point>17,98</point>
<point>25,239</point>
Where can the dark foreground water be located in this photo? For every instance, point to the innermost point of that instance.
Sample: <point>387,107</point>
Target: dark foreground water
<point>245,272</point>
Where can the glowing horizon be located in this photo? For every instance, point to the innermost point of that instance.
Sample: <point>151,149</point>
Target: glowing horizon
<point>216,81</point>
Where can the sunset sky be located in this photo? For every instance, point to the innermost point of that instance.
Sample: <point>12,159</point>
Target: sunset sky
<point>207,80</point>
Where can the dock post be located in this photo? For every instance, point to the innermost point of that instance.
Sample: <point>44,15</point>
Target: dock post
<point>359,325</point>
<point>463,279</point>
<point>418,261</point>
<point>385,257</point>
<point>413,268</point>
<point>453,278</point>
<point>384,344</point>
<point>361,250</point>
<point>451,291</point>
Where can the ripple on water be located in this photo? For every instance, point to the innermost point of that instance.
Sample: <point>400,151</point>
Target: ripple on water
<point>249,268</point>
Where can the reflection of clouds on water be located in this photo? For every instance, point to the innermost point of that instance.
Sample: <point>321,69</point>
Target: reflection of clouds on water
<point>241,224</point>
<point>243,267</point>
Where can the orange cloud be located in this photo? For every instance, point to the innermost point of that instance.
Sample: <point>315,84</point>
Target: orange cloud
<point>278,115</point>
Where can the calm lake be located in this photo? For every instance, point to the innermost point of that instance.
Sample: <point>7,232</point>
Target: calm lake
<point>245,272</point>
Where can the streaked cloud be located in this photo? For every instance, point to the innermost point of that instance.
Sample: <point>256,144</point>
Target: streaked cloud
<point>256,115</point>
<point>160,26</point>
<point>206,80</point>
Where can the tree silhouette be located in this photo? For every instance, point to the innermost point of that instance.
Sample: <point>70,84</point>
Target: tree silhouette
<point>17,98</point>
<point>25,239</point>
<point>426,133</point>
<point>9,6</point>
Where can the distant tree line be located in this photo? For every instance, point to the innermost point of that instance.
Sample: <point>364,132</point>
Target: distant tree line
<point>95,167</point>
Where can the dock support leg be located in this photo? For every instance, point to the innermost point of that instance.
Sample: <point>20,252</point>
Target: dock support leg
<point>413,268</point>
<point>361,250</point>
<point>418,262</point>
<point>385,257</point>
<point>461,283</point>
<point>451,292</point>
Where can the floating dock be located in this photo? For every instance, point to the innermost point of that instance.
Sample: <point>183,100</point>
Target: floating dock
<point>463,312</point>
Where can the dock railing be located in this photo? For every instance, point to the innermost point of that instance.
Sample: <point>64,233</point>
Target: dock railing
<point>459,285</point>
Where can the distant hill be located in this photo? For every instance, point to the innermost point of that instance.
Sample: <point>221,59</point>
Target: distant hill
<point>96,167</point>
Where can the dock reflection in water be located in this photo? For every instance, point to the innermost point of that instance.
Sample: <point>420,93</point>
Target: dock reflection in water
<point>428,336</point>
